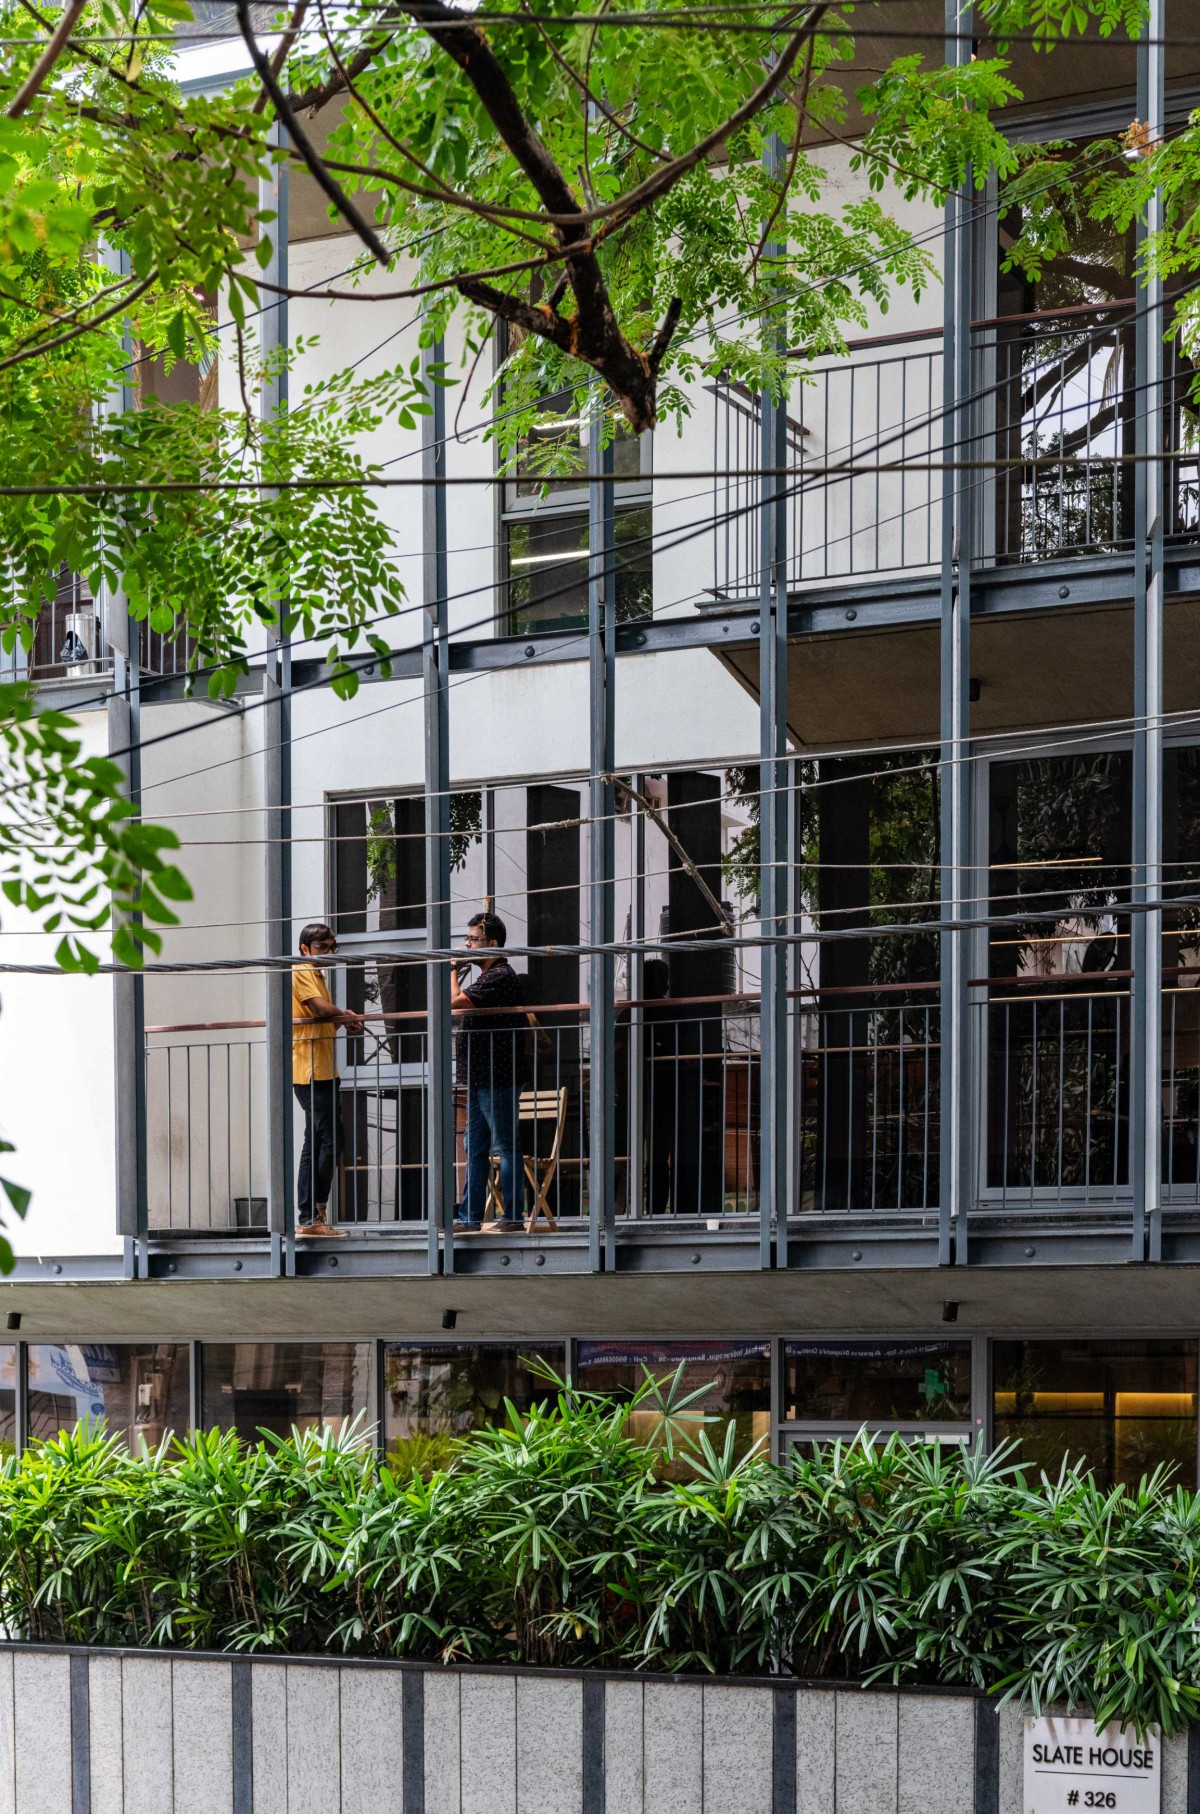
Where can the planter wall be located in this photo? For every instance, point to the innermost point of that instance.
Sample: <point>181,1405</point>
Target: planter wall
<point>105,1732</point>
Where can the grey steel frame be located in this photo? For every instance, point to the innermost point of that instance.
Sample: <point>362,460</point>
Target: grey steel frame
<point>1146,941</point>
<point>277,791</point>
<point>439,1134</point>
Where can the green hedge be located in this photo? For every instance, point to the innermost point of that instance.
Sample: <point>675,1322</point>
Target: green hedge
<point>555,1540</point>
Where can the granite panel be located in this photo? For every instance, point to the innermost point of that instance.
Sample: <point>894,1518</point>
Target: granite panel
<point>488,1743</point>
<point>673,1740</point>
<point>147,1722</point>
<point>549,1746</point>
<point>203,1698</point>
<point>815,1750</point>
<point>623,1753</point>
<point>8,1759</point>
<point>106,1720</point>
<point>866,1738</point>
<point>270,1704</point>
<point>443,1759</point>
<point>937,1754</point>
<point>1012,1759</point>
<point>42,1733</point>
<point>738,1741</point>
<point>314,1739</point>
<point>372,1741</point>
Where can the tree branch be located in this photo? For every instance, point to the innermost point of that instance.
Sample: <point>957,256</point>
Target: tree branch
<point>58,42</point>
<point>341,201</point>
<point>279,55</point>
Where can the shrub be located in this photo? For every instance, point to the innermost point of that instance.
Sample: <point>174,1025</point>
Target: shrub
<point>554,1539</point>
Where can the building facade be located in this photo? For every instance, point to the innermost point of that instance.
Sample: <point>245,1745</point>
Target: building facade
<point>843,808</point>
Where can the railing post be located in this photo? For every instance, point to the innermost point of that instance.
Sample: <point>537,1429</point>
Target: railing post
<point>124,711</point>
<point>439,1100</point>
<point>957,1106</point>
<point>277,791</point>
<point>1145,1107</point>
<point>636,1056</point>
<point>602,673</point>
<point>773,810</point>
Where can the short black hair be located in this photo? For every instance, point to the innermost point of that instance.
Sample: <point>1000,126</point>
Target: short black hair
<point>494,929</point>
<point>656,978</point>
<point>316,929</point>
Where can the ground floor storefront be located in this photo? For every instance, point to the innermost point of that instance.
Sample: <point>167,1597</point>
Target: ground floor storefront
<point>1125,1403</point>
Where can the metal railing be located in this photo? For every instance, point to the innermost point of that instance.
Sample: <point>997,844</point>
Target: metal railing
<point>1060,388</point>
<point>882,402</point>
<point>869,1100</point>
<point>206,1143</point>
<point>687,1114</point>
<point>1055,1066</point>
<point>70,640</point>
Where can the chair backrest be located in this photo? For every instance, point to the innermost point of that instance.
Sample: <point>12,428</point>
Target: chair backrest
<point>542,1105</point>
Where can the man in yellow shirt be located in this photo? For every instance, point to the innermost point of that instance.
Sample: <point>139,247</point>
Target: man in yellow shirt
<point>315,1023</point>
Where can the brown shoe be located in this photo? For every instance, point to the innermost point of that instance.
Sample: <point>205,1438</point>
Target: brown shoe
<point>320,1229</point>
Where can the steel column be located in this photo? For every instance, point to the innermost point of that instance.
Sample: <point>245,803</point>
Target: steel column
<point>602,673</point>
<point>439,1100</point>
<point>773,821</point>
<point>124,711</point>
<point>1145,1119</point>
<point>277,790</point>
<point>956,1105</point>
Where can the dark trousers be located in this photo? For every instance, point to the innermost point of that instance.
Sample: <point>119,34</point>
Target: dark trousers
<point>322,1143</point>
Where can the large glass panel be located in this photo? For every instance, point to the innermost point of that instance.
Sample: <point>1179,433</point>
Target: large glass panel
<point>433,1393</point>
<point>877,1382</point>
<point>140,1391</point>
<point>255,1386</point>
<point>1181,974</point>
<point>1058,1009</point>
<point>737,1376</point>
<point>1119,1407</point>
<point>8,1400</point>
<point>869,1013</point>
<point>548,570</point>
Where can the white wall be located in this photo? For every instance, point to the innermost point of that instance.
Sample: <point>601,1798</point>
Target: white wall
<point>56,1102</point>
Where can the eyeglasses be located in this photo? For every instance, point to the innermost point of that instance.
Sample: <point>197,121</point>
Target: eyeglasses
<point>323,947</point>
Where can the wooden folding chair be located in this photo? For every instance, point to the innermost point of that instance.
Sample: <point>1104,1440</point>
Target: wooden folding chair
<point>543,1105</point>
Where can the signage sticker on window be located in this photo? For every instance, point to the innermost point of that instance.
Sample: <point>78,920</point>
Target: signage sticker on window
<point>1070,1768</point>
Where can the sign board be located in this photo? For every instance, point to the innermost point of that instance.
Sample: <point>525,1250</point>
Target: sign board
<point>1070,1768</point>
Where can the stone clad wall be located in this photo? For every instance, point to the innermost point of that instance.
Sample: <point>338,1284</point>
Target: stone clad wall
<point>144,1733</point>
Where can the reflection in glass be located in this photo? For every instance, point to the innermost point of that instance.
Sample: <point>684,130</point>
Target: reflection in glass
<point>142,1392</point>
<point>255,1386</point>
<point>1058,1013</point>
<point>8,1400</point>
<point>737,1376</point>
<point>877,1382</point>
<point>1120,1407</point>
<point>548,570</point>
<point>441,1391</point>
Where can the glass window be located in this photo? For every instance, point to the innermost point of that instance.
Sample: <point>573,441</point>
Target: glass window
<point>548,569</point>
<point>877,1382</point>
<point>254,1386</point>
<point>140,1391</point>
<point>737,1375</point>
<point>1121,1407</point>
<point>8,1400</point>
<point>449,1389</point>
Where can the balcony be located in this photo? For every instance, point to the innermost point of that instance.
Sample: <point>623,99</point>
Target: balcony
<point>71,641</point>
<point>1054,397</point>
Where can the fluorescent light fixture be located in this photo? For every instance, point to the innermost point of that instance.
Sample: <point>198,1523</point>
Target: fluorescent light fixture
<point>536,560</point>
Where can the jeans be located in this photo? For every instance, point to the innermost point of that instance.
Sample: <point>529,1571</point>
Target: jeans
<point>494,1126</point>
<point>322,1143</point>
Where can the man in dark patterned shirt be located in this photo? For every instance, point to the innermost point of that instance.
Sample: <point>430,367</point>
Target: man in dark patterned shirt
<point>490,1062</point>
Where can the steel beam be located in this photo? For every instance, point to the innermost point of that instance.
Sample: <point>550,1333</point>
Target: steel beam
<point>602,673</point>
<point>774,812</point>
<point>277,791</point>
<point>435,660</point>
<point>1145,1122</point>
<point>957,1107</point>
<point>124,711</point>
